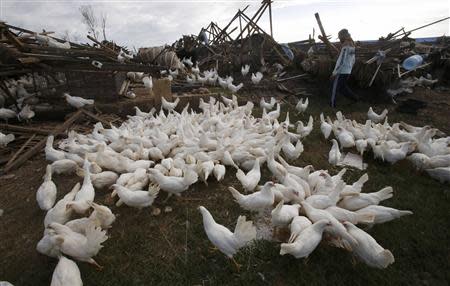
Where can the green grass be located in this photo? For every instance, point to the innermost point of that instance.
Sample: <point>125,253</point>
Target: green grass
<point>172,249</point>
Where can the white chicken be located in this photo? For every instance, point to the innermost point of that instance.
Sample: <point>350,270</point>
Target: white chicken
<point>66,273</point>
<point>302,105</point>
<point>268,106</point>
<point>367,249</point>
<point>50,153</point>
<point>226,241</point>
<point>336,228</point>
<point>60,213</point>
<point>148,82</point>
<point>77,102</point>
<point>250,180</point>
<point>6,114</point>
<point>86,195</point>
<point>234,88</point>
<point>305,130</point>
<point>245,69</point>
<point>442,174</point>
<point>137,198</point>
<point>169,106</point>
<point>334,156</point>
<point>6,139</point>
<point>282,214</point>
<point>46,194</point>
<point>306,241</point>
<point>298,224</point>
<point>383,214</point>
<point>325,127</point>
<point>356,202</point>
<point>174,185</point>
<point>25,113</point>
<point>374,117</point>
<point>256,78</point>
<point>188,61</point>
<point>78,246</point>
<point>256,201</point>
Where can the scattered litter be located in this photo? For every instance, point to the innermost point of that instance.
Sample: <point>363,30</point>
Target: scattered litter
<point>168,209</point>
<point>353,160</point>
<point>156,212</point>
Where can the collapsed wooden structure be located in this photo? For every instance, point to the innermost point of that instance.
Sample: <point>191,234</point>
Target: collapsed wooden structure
<point>252,45</point>
<point>59,66</point>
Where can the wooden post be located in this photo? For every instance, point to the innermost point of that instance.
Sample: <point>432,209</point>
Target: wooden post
<point>270,17</point>
<point>242,39</point>
<point>332,48</point>
<point>254,16</point>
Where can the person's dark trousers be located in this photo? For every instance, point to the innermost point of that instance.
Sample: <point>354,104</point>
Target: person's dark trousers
<point>340,86</point>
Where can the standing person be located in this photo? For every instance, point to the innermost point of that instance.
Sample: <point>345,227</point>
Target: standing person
<point>343,68</point>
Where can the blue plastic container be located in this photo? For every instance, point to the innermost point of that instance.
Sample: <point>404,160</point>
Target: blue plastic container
<point>412,62</point>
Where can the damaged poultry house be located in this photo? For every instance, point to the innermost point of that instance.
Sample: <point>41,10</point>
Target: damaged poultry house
<point>135,162</point>
<point>37,69</point>
<point>242,41</point>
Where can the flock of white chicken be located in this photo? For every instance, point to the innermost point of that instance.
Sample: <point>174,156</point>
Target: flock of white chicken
<point>390,143</point>
<point>169,151</point>
<point>24,100</point>
<point>23,109</point>
<point>211,77</point>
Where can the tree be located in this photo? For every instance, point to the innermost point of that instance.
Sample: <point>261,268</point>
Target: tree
<point>94,23</point>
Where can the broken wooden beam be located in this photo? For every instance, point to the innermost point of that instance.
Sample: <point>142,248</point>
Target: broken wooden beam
<point>419,67</point>
<point>24,129</point>
<point>95,117</point>
<point>24,145</point>
<point>292,77</point>
<point>38,147</point>
<point>332,48</point>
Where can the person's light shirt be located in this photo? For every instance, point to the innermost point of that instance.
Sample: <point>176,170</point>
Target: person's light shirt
<point>345,61</point>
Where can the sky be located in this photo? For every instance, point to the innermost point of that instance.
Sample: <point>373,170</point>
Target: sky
<point>138,23</point>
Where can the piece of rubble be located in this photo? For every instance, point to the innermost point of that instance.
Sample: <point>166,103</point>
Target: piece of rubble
<point>156,212</point>
<point>168,209</point>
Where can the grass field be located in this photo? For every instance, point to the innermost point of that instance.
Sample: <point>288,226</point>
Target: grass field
<point>172,248</point>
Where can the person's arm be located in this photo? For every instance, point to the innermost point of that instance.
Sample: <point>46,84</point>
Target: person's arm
<point>341,59</point>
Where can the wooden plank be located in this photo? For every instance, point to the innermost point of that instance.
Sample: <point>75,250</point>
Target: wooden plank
<point>292,77</point>
<point>26,129</point>
<point>24,145</point>
<point>124,87</point>
<point>95,117</point>
<point>375,74</point>
<point>14,40</point>
<point>29,60</point>
<point>419,67</point>
<point>38,147</point>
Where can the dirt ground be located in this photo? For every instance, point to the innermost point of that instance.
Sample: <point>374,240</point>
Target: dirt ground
<point>172,248</point>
